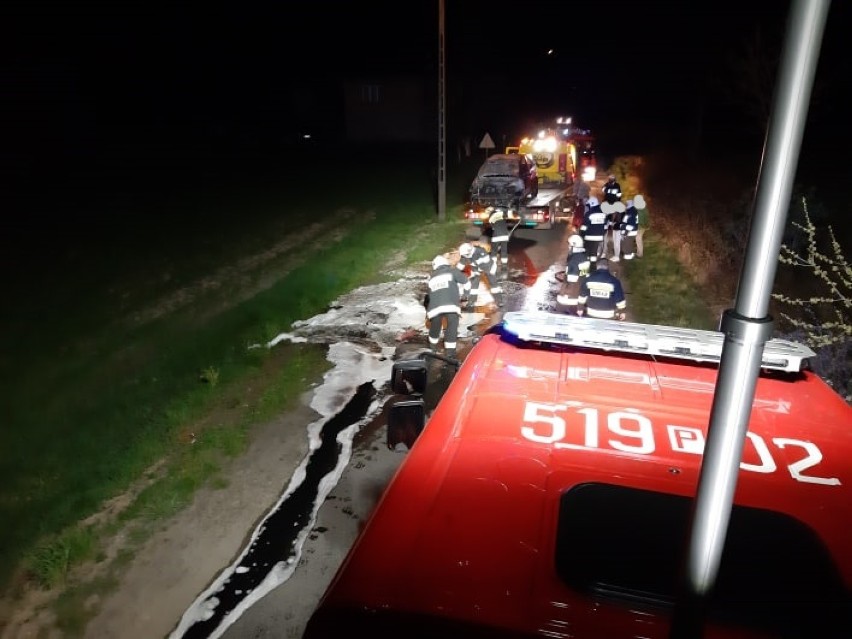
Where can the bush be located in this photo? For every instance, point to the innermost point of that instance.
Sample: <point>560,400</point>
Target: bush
<point>701,214</point>
<point>817,309</point>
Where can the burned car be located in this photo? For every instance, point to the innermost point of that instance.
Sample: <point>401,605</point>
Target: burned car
<point>505,180</point>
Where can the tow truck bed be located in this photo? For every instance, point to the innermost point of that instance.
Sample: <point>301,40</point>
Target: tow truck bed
<point>545,197</point>
<point>539,212</point>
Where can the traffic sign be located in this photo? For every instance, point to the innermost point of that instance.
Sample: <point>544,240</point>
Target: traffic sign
<point>487,142</point>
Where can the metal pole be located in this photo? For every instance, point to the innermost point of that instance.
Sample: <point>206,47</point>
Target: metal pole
<point>442,128</point>
<point>748,327</point>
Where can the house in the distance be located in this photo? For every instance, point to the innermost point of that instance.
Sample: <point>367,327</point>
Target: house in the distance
<point>388,109</point>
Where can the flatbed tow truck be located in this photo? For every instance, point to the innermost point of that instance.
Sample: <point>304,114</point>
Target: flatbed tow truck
<point>557,158</point>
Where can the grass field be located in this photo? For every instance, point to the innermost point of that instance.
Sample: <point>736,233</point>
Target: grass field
<point>132,317</point>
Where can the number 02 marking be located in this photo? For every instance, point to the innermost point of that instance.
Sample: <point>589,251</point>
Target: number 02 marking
<point>814,457</point>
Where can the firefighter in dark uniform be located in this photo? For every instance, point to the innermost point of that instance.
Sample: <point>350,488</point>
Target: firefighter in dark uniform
<point>498,219</point>
<point>446,285</point>
<point>576,271</point>
<point>612,190</point>
<point>481,263</point>
<point>593,228</point>
<point>602,295</point>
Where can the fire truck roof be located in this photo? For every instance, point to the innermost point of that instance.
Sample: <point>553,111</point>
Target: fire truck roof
<point>549,495</point>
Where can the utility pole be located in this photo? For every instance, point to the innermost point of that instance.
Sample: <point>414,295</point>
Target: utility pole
<point>442,122</point>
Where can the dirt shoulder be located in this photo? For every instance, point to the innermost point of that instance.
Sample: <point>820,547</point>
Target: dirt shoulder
<point>185,556</point>
<point>173,564</point>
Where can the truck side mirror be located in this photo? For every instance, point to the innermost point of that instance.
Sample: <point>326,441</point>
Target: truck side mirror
<point>409,377</point>
<point>406,419</point>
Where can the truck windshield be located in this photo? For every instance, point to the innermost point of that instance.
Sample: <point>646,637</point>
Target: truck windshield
<point>500,168</point>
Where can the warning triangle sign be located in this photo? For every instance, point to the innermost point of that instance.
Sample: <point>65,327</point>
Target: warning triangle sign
<point>487,142</point>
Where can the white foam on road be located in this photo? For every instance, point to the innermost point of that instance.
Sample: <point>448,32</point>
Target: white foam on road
<point>376,316</point>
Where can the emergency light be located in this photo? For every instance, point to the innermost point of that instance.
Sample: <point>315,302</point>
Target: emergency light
<point>647,339</point>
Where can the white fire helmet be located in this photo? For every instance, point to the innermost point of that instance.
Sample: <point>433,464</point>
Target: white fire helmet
<point>639,202</point>
<point>575,241</point>
<point>593,201</point>
<point>440,260</point>
<point>629,203</point>
<point>466,249</point>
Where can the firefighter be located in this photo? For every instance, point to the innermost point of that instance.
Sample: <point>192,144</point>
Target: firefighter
<point>481,263</point>
<point>612,190</point>
<point>446,286</point>
<point>593,228</point>
<point>602,295</point>
<point>499,235</point>
<point>629,229</point>
<point>576,270</point>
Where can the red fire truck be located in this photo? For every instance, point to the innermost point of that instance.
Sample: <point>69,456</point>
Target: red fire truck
<point>549,493</point>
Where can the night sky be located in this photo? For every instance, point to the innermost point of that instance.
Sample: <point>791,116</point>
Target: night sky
<point>149,76</point>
